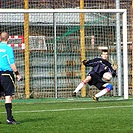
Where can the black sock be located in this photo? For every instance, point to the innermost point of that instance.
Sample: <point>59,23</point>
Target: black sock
<point>8,107</point>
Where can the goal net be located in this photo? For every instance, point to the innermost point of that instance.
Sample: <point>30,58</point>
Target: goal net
<point>57,40</point>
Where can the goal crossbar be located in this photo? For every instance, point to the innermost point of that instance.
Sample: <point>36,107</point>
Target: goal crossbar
<point>62,10</point>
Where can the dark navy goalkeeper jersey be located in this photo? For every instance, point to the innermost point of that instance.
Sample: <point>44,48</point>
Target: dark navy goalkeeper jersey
<point>100,66</point>
<point>6,57</point>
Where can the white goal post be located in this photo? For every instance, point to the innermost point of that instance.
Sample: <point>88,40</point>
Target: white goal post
<point>124,21</point>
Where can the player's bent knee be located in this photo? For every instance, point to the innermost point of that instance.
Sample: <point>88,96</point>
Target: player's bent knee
<point>109,87</point>
<point>88,78</point>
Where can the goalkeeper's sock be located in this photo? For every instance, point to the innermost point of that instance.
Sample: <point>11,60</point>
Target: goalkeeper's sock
<point>101,93</point>
<point>79,87</point>
<point>8,107</point>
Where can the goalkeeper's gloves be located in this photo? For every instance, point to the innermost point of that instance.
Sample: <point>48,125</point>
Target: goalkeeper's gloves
<point>84,62</point>
<point>115,66</point>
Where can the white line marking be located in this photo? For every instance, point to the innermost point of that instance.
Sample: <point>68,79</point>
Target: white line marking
<point>70,109</point>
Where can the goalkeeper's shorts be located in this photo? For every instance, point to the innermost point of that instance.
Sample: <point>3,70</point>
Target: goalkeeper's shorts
<point>96,80</point>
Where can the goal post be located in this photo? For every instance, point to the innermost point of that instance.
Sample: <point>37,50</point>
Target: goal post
<point>69,32</point>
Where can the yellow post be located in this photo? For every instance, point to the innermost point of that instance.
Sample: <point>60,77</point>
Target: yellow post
<point>132,47</point>
<point>82,44</point>
<point>26,41</point>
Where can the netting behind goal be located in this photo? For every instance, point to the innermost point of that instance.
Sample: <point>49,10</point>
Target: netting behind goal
<point>56,51</point>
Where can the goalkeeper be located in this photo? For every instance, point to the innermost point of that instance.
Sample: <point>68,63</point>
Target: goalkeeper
<point>95,76</point>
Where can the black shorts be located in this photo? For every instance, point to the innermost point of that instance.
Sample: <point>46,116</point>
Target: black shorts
<point>96,80</point>
<point>7,83</point>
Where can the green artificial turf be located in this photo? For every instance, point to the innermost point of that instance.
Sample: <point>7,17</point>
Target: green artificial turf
<point>69,116</point>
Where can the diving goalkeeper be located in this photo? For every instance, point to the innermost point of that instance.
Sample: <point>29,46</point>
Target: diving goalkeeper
<point>100,75</point>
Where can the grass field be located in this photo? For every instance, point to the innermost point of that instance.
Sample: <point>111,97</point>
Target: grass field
<point>77,115</point>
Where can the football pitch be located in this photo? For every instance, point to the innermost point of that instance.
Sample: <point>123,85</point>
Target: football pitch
<point>74,115</point>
